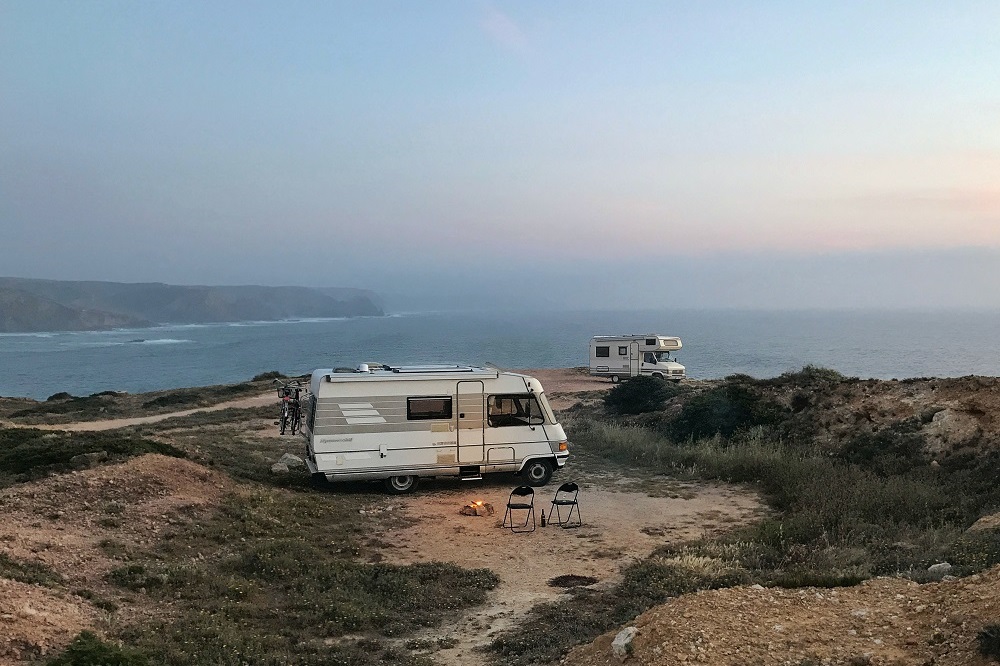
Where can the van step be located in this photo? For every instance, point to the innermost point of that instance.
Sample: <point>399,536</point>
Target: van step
<point>470,473</point>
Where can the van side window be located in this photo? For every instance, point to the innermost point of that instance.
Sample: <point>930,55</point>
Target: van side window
<point>623,351</point>
<point>603,352</point>
<point>648,358</point>
<point>651,342</point>
<point>311,419</point>
<point>513,410</point>
<point>425,409</point>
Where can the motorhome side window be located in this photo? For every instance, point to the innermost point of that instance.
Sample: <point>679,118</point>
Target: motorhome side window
<point>623,351</point>
<point>311,419</point>
<point>425,409</point>
<point>651,341</point>
<point>603,352</point>
<point>649,358</point>
<point>513,410</point>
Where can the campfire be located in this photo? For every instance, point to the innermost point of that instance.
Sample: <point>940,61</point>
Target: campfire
<point>477,508</point>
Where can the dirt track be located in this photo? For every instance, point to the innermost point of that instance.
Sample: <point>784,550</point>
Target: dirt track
<point>112,424</point>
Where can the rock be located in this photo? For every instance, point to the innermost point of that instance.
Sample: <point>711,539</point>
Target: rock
<point>290,460</point>
<point>621,647</point>
<point>939,568</point>
<point>279,468</point>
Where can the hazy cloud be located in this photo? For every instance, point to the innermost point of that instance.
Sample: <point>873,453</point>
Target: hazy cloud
<point>503,30</point>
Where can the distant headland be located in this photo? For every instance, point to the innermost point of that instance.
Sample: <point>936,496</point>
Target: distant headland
<point>29,305</point>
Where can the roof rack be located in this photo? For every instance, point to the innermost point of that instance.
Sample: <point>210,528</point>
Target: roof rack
<point>404,369</point>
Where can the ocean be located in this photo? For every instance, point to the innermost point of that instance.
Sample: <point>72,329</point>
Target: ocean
<point>717,343</point>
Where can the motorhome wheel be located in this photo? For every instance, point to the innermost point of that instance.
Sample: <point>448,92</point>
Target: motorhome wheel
<point>614,379</point>
<point>658,375</point>
<point>398,485</point>
<point>538,472</point>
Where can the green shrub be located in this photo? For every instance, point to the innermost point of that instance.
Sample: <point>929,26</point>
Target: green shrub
<point>989,642</point>
<point>273,374</point>
<point>86,407</point>
<point>27,453</point>
<point>893,450</point>
<point>89,650</point>
<point>136,577</point>
<point>34,573</point>
<point>723,410</point>
<point>976,550</point>
<point>641,394</point>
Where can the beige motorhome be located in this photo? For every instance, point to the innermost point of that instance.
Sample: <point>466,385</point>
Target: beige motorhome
<point>623,356</point>
<point>401,423</point>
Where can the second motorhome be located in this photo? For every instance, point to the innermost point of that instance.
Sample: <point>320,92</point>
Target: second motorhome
<point>398,424</point>
<point>622,356</point>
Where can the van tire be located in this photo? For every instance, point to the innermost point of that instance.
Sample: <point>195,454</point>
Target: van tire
<point>400,485</point>
<point>614,379</point>
<point>658,375</point>
<point>538,472</point>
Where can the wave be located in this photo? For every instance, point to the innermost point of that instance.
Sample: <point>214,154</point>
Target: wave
<point>136,341</point>
<point>29,335</point>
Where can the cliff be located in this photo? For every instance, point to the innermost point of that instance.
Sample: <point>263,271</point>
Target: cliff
<point>50,305</point>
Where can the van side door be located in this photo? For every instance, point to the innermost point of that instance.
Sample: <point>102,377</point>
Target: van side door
<point>633,357</point>
<point>470,420</point>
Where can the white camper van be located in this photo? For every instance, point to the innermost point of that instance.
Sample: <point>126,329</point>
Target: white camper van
<point>619,356</point>
<point>401,423</point>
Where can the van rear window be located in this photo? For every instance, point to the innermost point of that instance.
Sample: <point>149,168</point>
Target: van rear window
<point>423,409</point>
<point>603,352</point>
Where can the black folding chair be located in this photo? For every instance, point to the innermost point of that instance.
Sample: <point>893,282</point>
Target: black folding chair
<point>566,496</point>
<point>521,498</point>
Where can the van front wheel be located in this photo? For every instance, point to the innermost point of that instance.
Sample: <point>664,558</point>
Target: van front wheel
<point>538,472</point>
<point>399,485</point>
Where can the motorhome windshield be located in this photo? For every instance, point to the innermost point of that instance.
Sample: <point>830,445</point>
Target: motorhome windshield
<point>511,410</point>
<point>662,357</point>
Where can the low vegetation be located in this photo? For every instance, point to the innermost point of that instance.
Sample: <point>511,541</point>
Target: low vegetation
<point>275,576</point>
<point>873,506</point>
<point>89,650</point>
<point>640,395</point>
<point>65,408</point>
<point>27,453</point>
<point>33,573</point>
<point>278,579</point>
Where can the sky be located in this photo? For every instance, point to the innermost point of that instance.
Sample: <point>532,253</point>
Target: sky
<point>568,154</point>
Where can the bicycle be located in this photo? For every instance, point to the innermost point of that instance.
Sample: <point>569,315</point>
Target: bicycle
<point>290,417</point>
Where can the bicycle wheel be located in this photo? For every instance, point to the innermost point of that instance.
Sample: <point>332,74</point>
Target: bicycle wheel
<point>296,418</point>
<point>284,419</point>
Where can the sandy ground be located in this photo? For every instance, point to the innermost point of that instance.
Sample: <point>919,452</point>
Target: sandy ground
<point>67,522</point>
<point>619,527</point>
<point>882,622</point>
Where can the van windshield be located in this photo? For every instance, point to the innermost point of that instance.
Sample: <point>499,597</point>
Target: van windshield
<point>662,356</point>
<point>513,410</point>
